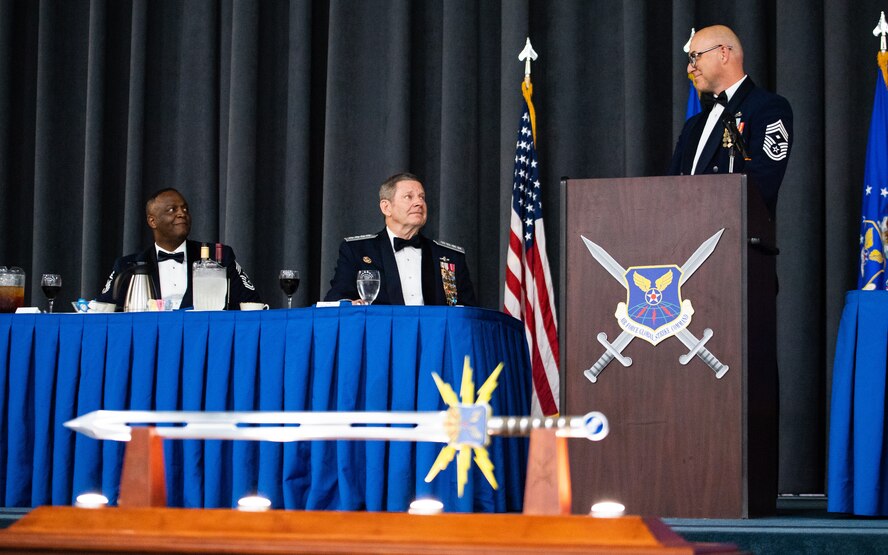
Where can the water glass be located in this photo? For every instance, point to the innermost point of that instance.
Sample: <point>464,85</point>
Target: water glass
<point>368,285</point>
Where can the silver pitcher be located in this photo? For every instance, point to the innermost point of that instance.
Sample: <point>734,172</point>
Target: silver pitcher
<point>140,287</point>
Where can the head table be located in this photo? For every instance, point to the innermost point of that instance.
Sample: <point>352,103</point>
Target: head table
<point>377,358</point>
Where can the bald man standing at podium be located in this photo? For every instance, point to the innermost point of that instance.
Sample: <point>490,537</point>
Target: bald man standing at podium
<point>742,128</point>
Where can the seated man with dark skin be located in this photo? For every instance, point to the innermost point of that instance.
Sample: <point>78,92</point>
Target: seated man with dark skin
<point>170,258</point>
<point>414,270</point>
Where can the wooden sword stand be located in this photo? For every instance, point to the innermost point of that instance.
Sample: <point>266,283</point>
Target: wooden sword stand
<point>142,524</point>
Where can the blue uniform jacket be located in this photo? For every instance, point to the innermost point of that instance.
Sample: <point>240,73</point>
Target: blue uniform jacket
<point>240,288</point>
<point>765,122</point>
<point>374,252</point>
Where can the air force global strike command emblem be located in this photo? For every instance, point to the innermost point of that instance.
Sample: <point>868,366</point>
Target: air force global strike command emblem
<point>654,309</point>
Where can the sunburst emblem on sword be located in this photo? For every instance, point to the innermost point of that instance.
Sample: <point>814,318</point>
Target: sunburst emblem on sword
<point>654,309</point>
<point>465,427</point>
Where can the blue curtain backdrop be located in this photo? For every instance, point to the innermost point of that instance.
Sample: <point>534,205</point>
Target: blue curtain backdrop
<point>279,119</point>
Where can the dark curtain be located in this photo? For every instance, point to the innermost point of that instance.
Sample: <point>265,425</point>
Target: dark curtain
<point>278,121</point>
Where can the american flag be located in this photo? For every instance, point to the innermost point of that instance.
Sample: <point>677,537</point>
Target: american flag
<point>529,296</point>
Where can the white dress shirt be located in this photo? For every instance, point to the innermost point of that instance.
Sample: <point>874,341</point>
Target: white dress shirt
<point>173,276</point>
<point>714,116</point>
<point>409,261</point>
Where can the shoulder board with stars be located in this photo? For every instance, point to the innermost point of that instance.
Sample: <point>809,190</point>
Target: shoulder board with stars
<point>456,248</point>
<point>361,237</point>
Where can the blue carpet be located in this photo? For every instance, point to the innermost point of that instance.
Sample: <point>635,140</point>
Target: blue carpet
<point>798,528</point>
<point>10,515</point>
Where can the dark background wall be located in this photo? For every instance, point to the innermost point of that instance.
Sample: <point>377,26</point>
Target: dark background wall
<point>278,120</point>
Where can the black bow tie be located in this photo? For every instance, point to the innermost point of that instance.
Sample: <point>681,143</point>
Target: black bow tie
<point>414,242</point>
<point>177,256</point>
<point>709,100</point>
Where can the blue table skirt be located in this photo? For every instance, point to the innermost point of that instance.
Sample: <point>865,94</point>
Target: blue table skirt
<point>858,450</point>
<point>56,367</point>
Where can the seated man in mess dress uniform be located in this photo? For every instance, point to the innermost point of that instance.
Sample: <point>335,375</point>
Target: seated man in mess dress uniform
<point>170,258</point>
<point>730,98</point>
<point>414,270</point>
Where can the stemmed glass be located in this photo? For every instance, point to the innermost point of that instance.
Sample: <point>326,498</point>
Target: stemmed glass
<point>289,281</point>
<point>51,284</point>
<point>368,285</point>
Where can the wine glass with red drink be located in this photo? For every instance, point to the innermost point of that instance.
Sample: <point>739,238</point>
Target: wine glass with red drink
<point>51,285</point>
<point>289,281</point>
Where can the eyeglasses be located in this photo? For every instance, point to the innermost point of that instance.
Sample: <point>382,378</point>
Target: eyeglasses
<point>692,56</point>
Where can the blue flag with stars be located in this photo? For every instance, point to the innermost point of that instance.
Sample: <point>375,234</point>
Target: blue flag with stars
<point>693,107</point>
<point>874,224</point>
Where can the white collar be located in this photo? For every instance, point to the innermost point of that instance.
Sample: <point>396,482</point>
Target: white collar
<point>392,236</point>
<point>729,92</point>
<point>180,248</point>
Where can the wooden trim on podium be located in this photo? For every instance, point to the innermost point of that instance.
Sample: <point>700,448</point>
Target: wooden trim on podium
<point>162,530</point>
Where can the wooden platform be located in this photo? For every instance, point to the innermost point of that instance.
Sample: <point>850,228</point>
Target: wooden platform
<point>162,530</point>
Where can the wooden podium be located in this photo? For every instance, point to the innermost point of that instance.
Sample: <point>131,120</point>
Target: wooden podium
<point>682,443</point>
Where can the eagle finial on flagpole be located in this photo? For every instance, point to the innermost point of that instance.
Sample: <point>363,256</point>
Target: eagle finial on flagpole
<point>526,56</point>
<point>687,46</point>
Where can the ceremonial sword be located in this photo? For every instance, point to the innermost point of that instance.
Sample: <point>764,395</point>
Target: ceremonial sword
<point>465,427</point>
<point>432,426</point>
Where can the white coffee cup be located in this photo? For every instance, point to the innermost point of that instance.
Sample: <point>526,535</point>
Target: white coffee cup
<point>253,306</point>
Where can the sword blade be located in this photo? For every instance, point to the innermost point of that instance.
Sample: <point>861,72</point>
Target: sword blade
<point>306,432</point>
<point>699,257</point>
<point>607,261</point>
<point>278,426</point>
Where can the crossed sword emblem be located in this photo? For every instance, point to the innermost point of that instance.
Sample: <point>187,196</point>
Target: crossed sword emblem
<point>696,346</point>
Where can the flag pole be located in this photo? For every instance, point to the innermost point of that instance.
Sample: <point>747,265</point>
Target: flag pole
<point>529,295</point>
